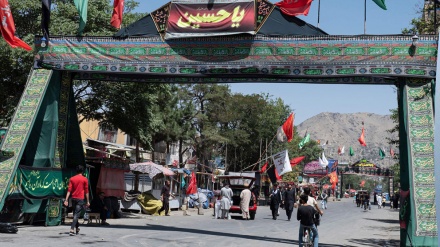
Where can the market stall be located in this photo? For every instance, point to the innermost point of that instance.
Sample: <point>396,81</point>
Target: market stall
<point>147,200</point>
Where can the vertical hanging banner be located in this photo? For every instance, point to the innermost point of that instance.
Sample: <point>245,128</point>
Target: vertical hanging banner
<point>205,18</point>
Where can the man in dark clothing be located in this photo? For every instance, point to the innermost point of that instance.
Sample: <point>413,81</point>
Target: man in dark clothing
<point>98,206</point>
<point>165,198</point>
<point>375,198</point>
<point>275,200</point>
<point>289,201</point>
<point>305,216</point>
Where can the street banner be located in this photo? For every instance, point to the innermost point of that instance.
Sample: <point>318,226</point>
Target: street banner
<point>282,163</point>
<point>206,18</point>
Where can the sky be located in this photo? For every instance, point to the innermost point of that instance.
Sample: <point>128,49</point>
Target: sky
<point>337,17</point>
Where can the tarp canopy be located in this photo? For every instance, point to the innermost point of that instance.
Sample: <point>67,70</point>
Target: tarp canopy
<point>151,168</point>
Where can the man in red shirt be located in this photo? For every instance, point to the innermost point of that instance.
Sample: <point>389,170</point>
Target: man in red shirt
<point>78,189</point>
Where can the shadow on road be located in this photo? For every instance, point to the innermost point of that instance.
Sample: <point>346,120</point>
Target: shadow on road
<point>374,242</point>
<point>389,221</point>
<point>150,227</point>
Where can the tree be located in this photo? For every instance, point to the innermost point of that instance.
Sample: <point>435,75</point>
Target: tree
<point>15,64</point>
<point>427,23</point>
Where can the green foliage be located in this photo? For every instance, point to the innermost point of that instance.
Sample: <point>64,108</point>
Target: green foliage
<point>15,64</point>
<point>425,24</point>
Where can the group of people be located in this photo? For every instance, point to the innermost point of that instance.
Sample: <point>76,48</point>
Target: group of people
<point>224,201</point>
<point>308,209</point>
<point>380,199</point>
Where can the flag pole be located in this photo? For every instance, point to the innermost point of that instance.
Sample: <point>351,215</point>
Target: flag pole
<point>365,17</point>
<point>319,11</point>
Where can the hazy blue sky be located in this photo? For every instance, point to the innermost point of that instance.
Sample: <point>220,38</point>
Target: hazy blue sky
<point>338,17</point>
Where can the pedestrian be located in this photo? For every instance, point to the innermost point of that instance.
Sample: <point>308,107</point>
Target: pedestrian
<point>226,202</point>
<point>98,206</point>
<point>217,204</point>
<point>245,199</point>
<point>305,215</point>
<point>289,201</point>
<point>324,198</point>
<point>78,189</point>
<point>275,200</point>
<point>375,198</point>
<point>165,198</point>
<point>312,201</point>
<point>379,201</point>
<point>396,201</point>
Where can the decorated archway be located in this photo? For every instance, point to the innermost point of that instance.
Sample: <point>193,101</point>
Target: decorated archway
<point>45,122</point>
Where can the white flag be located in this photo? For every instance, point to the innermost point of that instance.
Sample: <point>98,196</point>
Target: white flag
<point>282,163</point>
<point>324,160</point>
<point>321,163</point>
<point>343,149</point>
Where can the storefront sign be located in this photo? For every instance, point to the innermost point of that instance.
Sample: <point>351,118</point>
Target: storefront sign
<point>207,18</point>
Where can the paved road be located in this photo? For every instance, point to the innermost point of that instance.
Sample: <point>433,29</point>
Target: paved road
<point>343,224</point>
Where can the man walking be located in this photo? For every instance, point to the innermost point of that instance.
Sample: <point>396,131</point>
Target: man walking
<point>275,200</point>
<point>324,198</point>
<point>289,201</point>
<point>78,189</point>
<point>165,198</point>
<point>245,198</point>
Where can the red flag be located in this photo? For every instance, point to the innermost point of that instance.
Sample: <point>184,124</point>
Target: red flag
<point>339,150</point>
<point>362,183</point>
<point>333,177</point>
<point>277,176</point>
<point>118,9</point>
<point>8,27</point>
<point>295,161</point>
<point>192,187</point>
<point>391,152</point>
<point>362,138</point>
<point>295,7</point>
<point>285,131</point>
<point>263,169</point>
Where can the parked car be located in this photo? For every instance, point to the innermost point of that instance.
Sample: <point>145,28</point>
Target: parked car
<point>237,184</point>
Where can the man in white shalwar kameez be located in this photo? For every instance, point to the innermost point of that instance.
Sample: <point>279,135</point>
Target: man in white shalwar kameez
<point>226,201</point>
<point>245,198</point>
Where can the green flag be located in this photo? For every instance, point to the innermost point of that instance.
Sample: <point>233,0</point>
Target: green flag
<point>381,3</point>
<point>81,5</point>
<point>381,153</point>
<point>304,141</point>
<point>351,151</point>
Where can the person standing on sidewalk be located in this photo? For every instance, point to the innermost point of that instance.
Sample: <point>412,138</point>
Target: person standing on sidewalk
<point>78,189</point>
<point>245,199</point>
<point>226,194</point>
<point>165,198</point>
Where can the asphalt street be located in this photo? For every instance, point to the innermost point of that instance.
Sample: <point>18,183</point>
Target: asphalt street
<point>343,224</point>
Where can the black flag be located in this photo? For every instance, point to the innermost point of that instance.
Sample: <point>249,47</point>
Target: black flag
<point>45,19</point>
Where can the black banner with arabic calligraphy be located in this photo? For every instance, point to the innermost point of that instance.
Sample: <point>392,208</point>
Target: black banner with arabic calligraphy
<point>160,18</point>
<point>262,11</point>
<point>199,19</point>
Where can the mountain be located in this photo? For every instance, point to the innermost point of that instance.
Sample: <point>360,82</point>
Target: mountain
<point>345,129</point>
